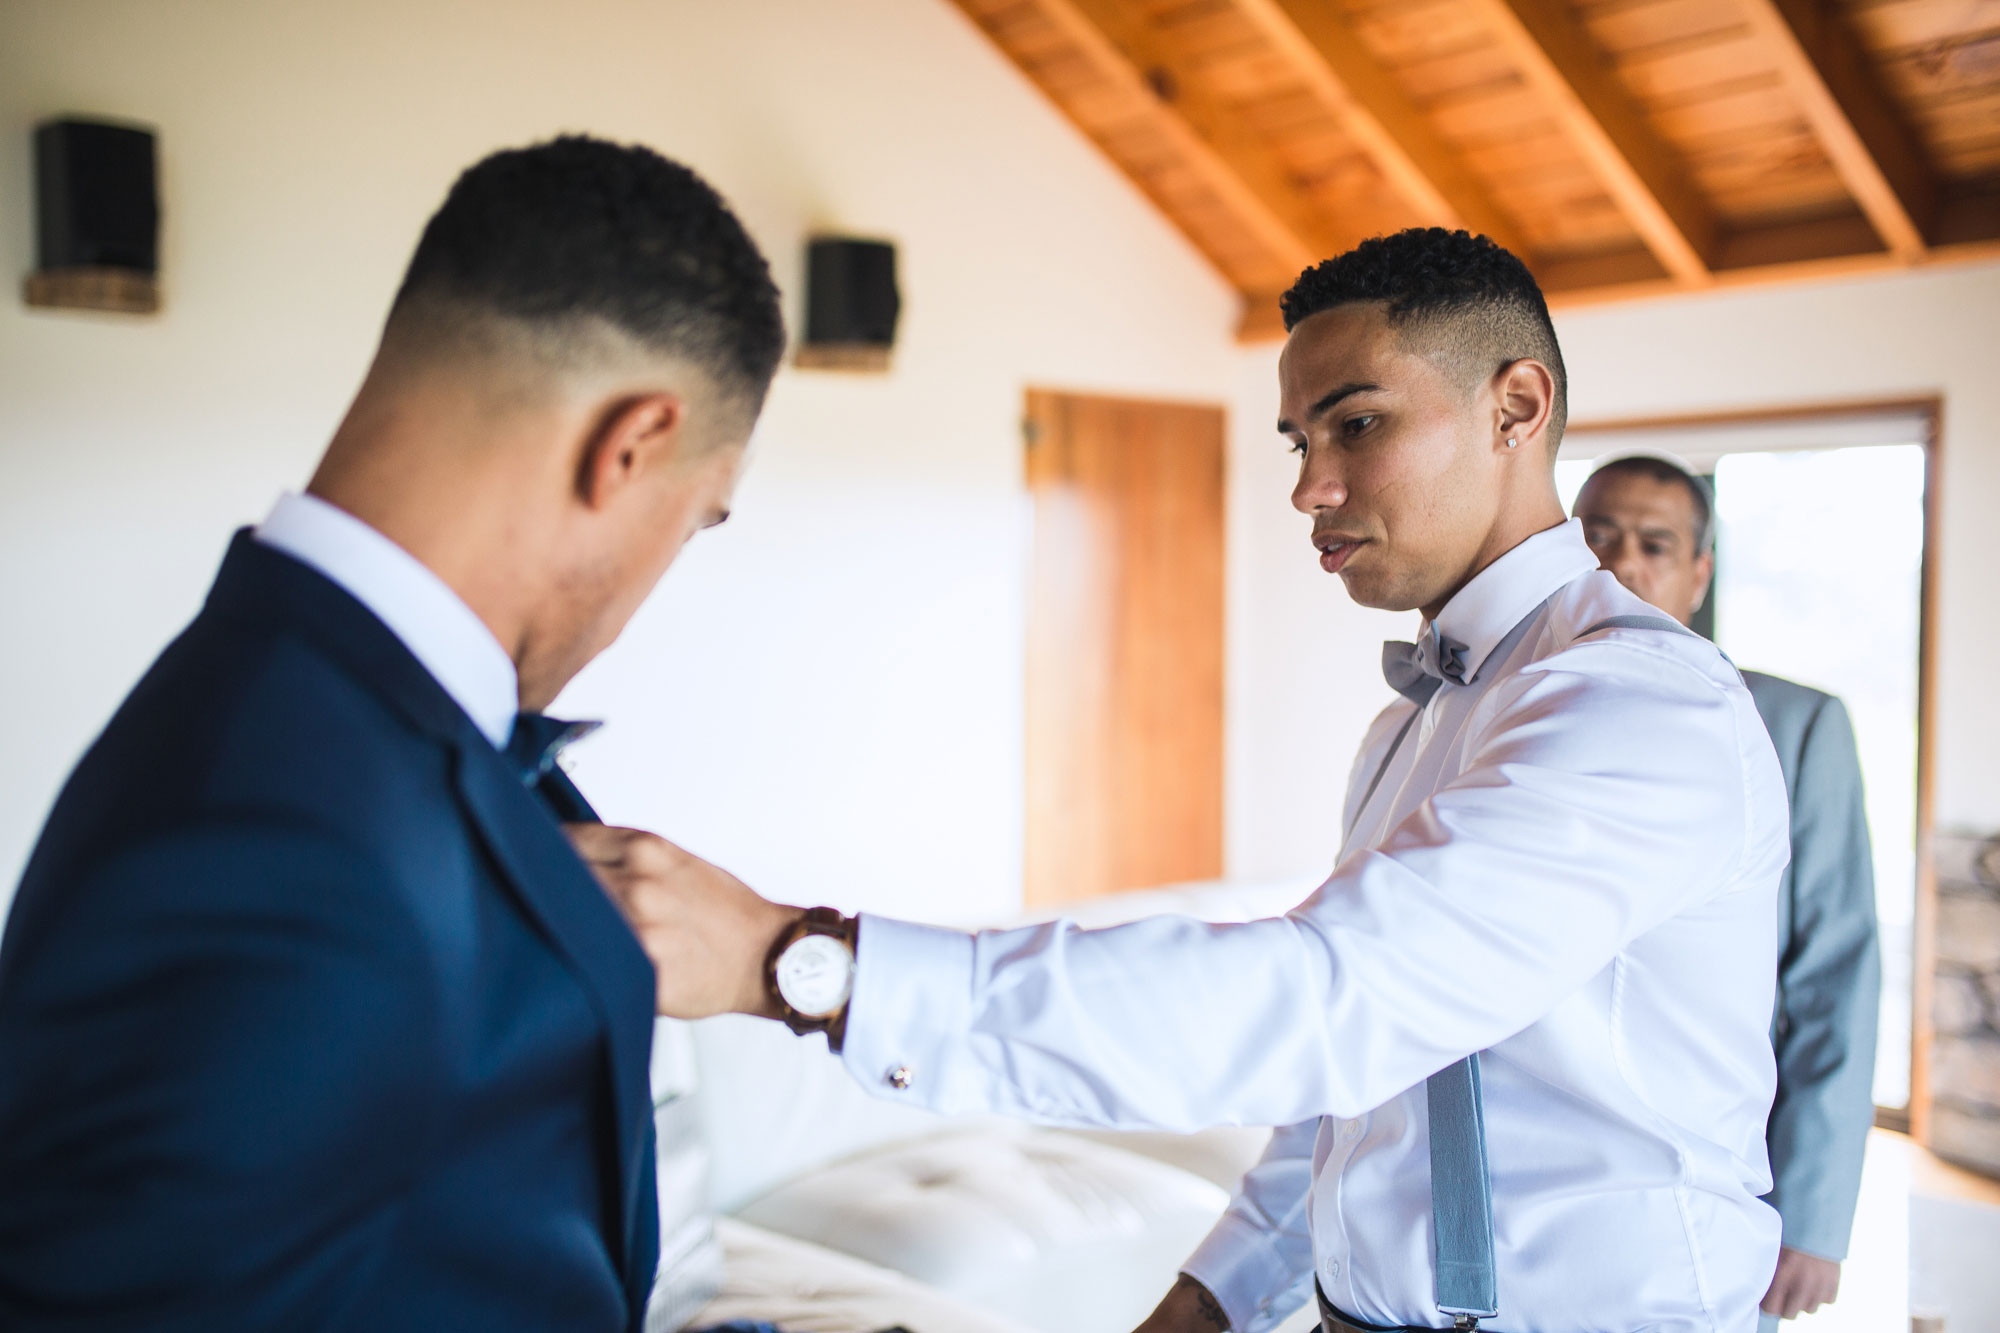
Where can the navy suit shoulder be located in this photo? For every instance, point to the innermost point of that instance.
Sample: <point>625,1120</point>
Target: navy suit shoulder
<point>309,1017</point>
<point>237,723</point>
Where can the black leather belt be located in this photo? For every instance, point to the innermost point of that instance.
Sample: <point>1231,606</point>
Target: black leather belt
<point>1333,1321</point>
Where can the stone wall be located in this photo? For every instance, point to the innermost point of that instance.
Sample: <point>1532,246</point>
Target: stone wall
<point>1965,1005</point>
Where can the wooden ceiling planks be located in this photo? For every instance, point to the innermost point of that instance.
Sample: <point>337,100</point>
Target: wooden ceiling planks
<point>1888,26</point>
<point>1622,147</point>
<point>1878,158</point>
<point>1651,184</point>
<point>1623,25</point>
<point>1380,114</point>
<point>1779,173</point>
<point>1402,32</point>
<point>1478,105</point>
<point>1947,90</point>
<point>1716,101</point>
<point>1963,136</point>
<point>1238,165</point>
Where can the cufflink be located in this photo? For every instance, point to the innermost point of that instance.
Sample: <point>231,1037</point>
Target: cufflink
<point>899,1078</point>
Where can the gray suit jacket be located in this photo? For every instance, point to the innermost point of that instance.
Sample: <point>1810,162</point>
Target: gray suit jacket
<point>1829,971</point>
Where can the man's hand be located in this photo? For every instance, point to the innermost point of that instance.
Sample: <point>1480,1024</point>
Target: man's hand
<point>1188,1308</point>
<point>1803,1284</point>
<point>706,932</point>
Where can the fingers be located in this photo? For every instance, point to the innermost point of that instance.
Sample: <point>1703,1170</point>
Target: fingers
<point>1794,1294</point>
<point>599,844</point>
<point>630,849</point>
<point>1803,1283</point>
<point>706,931</point>
<point>1785,1299</point>
<point>632,866</point>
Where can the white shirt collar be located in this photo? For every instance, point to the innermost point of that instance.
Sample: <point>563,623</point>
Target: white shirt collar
<point>1496,599</point>
<point>434,623</point>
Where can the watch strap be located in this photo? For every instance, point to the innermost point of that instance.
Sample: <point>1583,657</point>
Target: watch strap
<point>818,921</point>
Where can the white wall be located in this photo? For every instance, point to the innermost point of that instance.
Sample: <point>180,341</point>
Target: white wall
<point>1304,682</point>
<point>825,695</point>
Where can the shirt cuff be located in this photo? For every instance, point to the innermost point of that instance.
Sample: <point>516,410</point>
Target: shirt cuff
<point>1248,1274</point>
<point>911,1007</point>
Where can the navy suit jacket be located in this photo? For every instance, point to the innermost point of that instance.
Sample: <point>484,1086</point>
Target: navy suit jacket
<point>1829,971</point>
<point>310,1017</point>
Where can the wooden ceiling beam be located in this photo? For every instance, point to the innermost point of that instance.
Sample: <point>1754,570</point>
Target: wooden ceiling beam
<point>1231,159</point>
<point>1878,159</point>
<point>1642,174</point>
<point>1319,42</point>
<point>1602,288</point>
<point>1783,253</point>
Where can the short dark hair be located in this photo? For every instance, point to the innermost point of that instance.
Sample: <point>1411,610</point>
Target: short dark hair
<point>578,229</point>
<point>1479,302</point>
<point>1667,472</point>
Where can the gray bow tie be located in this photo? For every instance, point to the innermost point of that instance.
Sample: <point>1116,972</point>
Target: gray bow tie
<point>1416,670</point>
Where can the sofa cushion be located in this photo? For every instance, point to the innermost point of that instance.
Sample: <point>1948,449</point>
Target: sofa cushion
<point>1220,1155</point>
<point>1052,1230</point>
<point>775,1107</point>
<point>803,1288</point>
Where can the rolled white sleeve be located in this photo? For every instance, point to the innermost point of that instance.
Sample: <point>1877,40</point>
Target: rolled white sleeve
<point>1563,839</point>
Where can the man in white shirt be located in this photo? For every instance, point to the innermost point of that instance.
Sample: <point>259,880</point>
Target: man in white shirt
<point>1554,900</point>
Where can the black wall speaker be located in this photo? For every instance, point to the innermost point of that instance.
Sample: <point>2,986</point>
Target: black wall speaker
<point>97,196</point>
<point>852,303</point>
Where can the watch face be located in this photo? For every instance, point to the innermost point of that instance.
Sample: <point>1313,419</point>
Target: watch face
<point>815,975</point>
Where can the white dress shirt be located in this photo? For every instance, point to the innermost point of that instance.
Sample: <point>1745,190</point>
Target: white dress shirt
<point>434,623</point>
<point>1571,864</point>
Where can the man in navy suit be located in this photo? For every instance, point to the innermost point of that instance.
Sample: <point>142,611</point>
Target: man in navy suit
<point>1650,521</point>
<point>310,1016</point>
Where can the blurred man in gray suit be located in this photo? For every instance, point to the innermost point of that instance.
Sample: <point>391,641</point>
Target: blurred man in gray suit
<point>1650,521</point>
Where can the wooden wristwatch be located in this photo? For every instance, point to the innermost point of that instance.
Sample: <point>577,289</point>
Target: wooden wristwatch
<point>810,973</point>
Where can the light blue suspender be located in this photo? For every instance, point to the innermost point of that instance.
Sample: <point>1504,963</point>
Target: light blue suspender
<point>1639,622</point>
<point>1467,1289</point>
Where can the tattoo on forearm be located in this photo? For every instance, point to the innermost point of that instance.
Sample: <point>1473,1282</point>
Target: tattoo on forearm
<point>1210,1308</point>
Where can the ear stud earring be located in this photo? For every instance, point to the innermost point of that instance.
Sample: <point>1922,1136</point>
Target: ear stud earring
<point>1512,442</point>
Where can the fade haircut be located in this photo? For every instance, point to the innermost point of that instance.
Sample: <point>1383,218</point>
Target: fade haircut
<point>1667,472</point>
<point>1465,302</point>
<point>576,238</point>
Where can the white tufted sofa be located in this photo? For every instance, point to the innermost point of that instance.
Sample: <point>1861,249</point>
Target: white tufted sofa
<point>827,1210</point>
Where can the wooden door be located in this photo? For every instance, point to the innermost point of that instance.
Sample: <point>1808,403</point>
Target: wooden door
<point>1124,702</point>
